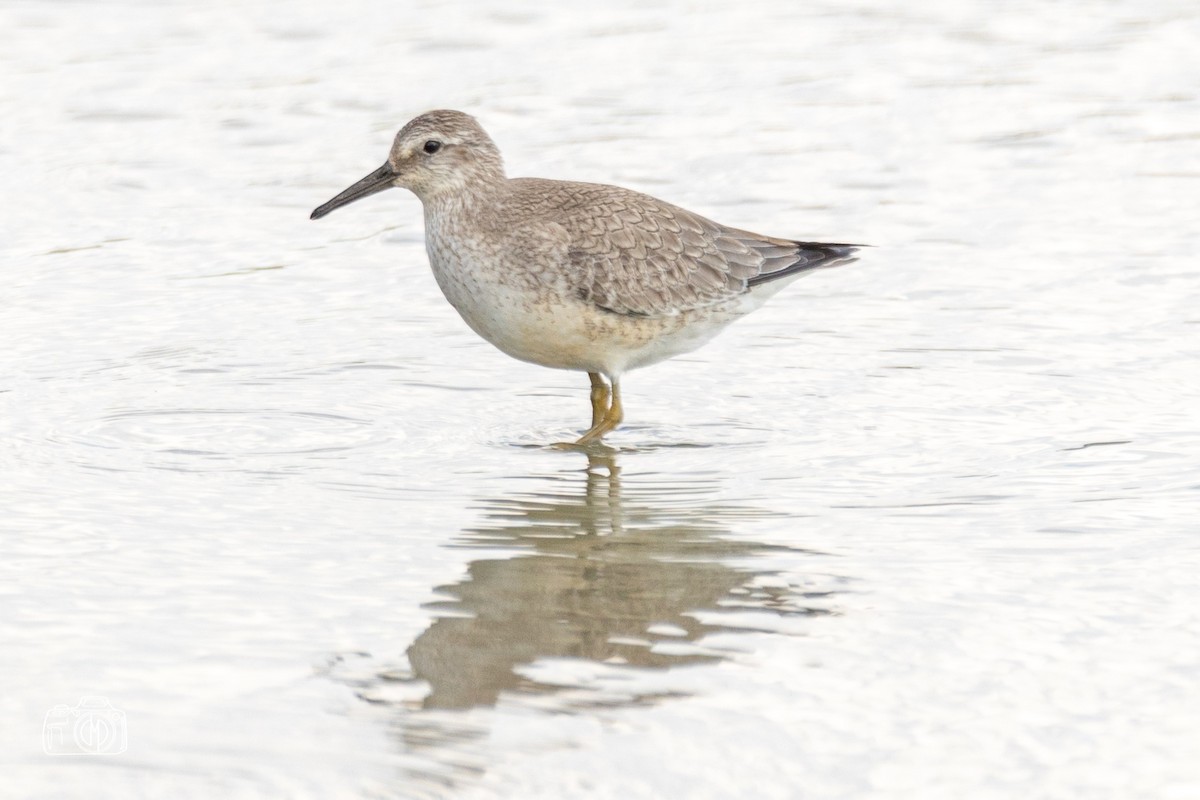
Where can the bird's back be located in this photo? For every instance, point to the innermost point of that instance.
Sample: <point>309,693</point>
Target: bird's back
<point>630,253</point>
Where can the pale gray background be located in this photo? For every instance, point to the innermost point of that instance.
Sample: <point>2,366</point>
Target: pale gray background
<point>923,527</point>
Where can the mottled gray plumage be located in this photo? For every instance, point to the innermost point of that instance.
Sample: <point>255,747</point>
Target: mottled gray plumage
<point>577,275</point>
<point>630,253</point>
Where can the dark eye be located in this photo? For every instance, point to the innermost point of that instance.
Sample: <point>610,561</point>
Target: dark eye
<point>432,146</point>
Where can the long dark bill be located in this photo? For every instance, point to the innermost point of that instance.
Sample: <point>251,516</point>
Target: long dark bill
<point>377,181</point>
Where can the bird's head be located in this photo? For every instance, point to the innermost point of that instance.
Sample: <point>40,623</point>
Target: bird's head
<point>437,153</point>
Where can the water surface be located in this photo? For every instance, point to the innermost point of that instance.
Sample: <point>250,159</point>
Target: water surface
<point>922,527</point>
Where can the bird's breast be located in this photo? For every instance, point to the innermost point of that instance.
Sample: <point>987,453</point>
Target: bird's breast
<point>513,307</point>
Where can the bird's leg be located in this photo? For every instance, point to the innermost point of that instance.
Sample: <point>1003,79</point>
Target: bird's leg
<point>599,398</point>
<point>611,419</point>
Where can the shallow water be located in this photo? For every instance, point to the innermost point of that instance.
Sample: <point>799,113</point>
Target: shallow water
<point>924,526</point>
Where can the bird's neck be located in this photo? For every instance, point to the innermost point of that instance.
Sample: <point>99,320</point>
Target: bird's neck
<point>463,199</point>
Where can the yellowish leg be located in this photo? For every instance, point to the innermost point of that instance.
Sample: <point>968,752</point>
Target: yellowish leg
<point>611,419</point>
<point>599,398</point>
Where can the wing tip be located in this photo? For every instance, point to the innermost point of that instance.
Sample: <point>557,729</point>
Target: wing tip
<point>812,256</point>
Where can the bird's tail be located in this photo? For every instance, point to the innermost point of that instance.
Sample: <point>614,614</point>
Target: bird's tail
<point>808,256</point>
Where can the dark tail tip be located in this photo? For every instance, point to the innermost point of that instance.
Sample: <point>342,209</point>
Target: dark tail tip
<point>811,256</point>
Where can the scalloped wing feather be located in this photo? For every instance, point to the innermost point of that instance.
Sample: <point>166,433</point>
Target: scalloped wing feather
<point>632,254</point>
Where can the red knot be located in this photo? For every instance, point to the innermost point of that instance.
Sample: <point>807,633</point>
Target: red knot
<point>578,276</point>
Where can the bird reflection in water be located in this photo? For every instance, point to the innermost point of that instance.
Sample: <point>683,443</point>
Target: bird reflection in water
<point>622,577</point>
<point>596,574</point>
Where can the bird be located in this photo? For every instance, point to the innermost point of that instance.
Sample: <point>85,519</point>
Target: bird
<point>577,276</point>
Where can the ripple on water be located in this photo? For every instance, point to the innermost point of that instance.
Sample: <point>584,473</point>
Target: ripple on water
<point>216,440</point>
<point>629,437</point>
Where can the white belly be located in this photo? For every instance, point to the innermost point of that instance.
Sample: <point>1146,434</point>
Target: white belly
<point>544,325</point>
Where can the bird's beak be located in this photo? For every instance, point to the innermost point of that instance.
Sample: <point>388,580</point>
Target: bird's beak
<point>377,181</point>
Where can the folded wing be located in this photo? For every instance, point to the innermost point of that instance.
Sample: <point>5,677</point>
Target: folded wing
<point>632,254</point>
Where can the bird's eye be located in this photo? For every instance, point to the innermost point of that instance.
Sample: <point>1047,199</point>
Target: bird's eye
<point>432,146</point>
